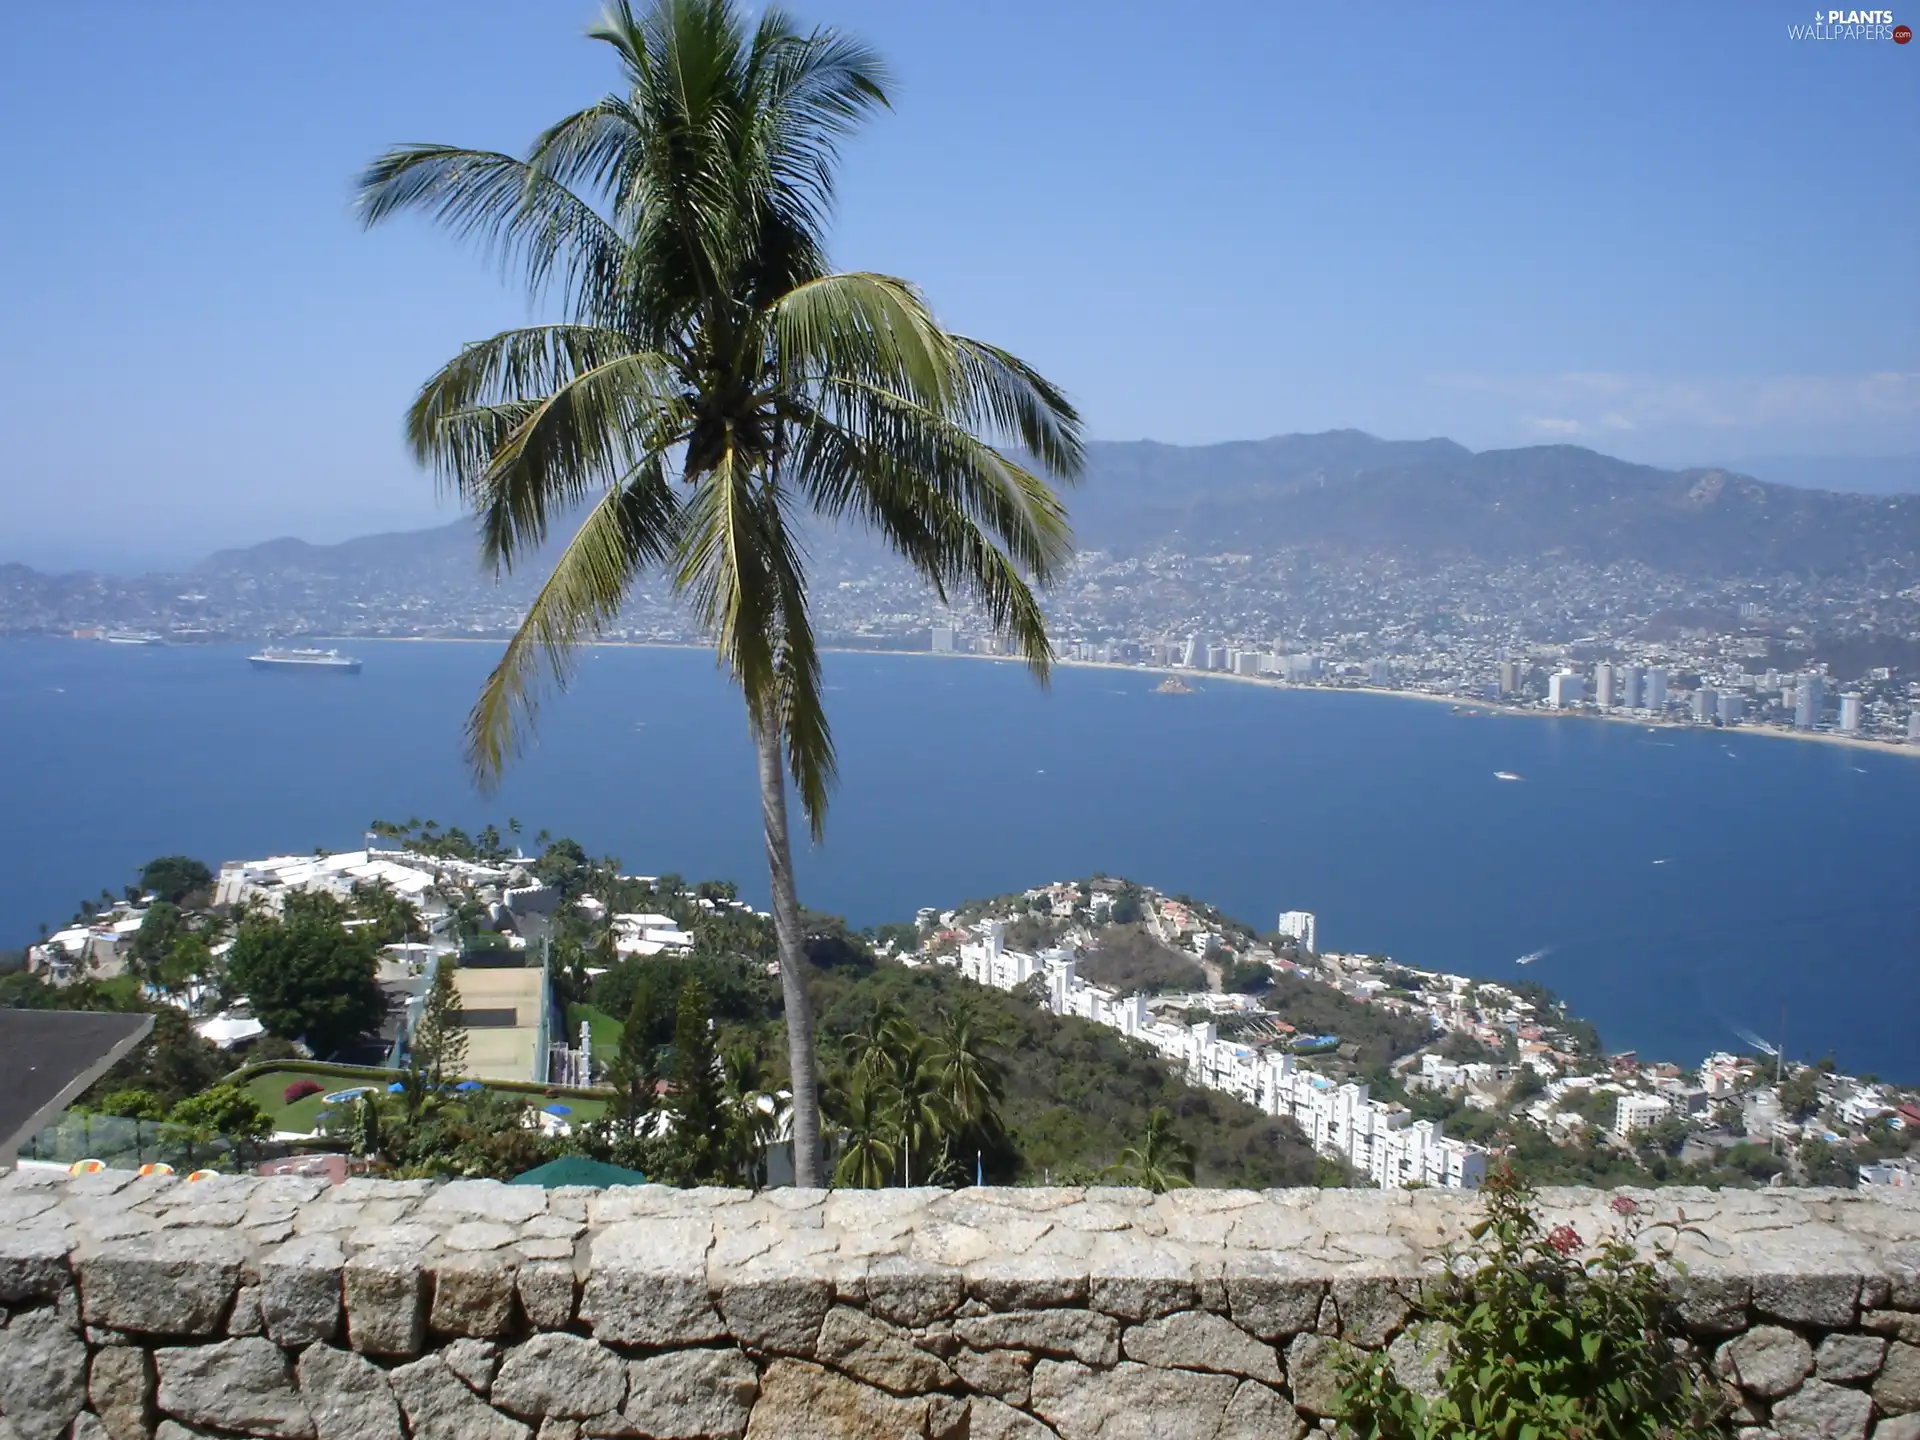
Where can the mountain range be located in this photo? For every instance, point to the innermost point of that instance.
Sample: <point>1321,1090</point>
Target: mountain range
<point>1348,491</point>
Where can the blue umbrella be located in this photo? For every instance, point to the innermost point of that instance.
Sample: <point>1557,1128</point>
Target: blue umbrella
<point>469,1085</point>
<point>559,1110</point>
<point>396,1088</point>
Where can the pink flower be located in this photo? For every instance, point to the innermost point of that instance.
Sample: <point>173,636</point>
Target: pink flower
<point>1564,1239</point>
<point>1625,1205</point>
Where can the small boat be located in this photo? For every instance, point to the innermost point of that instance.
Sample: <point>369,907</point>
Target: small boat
<point>131,637</point>
<point>309,660</point>
<point>1507,775</point>
<point>1530,958</point>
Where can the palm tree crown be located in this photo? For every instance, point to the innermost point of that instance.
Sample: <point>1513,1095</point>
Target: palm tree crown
<point>711,383</point>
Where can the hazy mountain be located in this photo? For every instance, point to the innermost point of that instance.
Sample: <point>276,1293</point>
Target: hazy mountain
<point>1353,492</point>
<point>1350,491</point>
<point>1855,474</point>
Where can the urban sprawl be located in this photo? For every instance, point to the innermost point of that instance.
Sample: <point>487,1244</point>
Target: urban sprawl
<point>1485,1048</point>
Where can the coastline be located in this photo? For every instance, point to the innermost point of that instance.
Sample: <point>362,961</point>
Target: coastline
<point>1460,702</point>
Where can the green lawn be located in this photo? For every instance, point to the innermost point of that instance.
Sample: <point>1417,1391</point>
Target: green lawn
<point>269,1088</point>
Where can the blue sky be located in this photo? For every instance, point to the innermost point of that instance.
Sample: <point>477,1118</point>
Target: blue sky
<point>1666,231</point>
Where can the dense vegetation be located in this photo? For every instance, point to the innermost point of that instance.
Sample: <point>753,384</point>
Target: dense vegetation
<point>1129,960</point>
<point>1077,1094</point>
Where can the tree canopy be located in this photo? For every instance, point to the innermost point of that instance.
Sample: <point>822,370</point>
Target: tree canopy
<point>174,877</point>
<point>308,976</point>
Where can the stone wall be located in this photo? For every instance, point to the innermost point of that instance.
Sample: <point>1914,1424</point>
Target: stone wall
<point>477,1311</point>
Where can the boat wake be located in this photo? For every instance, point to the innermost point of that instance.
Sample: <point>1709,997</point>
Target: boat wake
<point>1534,956</point>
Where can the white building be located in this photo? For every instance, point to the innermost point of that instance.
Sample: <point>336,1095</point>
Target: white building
<point>1300,925</point>
<point>1850,714</point>
<point>1564,690</point>
<point>1733,707</point>
<point>271,880</point>
<point>1809,701</point>
<point>1604,694</point>
<point>1629,680</point>
<point>943,640</point>
<point>1374,1138</point>
<point>1655,685</point>
<point>1636,1112</point>
<point>648,935</point>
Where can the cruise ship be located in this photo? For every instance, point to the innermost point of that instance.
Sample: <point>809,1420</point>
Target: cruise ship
<point>275,659</point>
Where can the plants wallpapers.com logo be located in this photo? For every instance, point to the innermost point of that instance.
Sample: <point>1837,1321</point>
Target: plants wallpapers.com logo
<point>1851,25</point>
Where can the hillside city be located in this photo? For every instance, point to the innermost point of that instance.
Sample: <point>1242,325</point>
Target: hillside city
<point>1394,1075</point>
<point>1787,652</point>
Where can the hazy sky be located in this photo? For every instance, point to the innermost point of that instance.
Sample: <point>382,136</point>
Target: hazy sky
<point>1666,231</point>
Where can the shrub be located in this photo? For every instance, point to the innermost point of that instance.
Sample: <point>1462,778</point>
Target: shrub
<point>1546,1335</point>
<point>299,1090</point>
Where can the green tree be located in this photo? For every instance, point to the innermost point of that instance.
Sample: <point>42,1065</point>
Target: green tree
<point>307,975</point>
<point>1822,1164</point>
<point>882,1044</point>
<point>1162,1160</point>
<point>395,918</point>
<point>132,1104</point>
<point>707,343</point>
<point>964,1057</point>
<point>867,1150</point>
<point>159,928</point>
<point>439,1044</point>
<point>635,1073</point>
<point>224,1111</point>
<point>921,1118</point>
<point>753,1115</point>
<point>1800,1093</point>
<point>696,1101</point>
<point>173,878</point>
<point>188,959</point>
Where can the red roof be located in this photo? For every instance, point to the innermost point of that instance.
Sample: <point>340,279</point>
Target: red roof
<point>1910,1114</point>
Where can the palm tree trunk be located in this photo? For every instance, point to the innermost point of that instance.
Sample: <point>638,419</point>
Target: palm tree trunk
<point>807,1169</point>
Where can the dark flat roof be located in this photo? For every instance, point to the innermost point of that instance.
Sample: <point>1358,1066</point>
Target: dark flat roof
<point>47,1057</point>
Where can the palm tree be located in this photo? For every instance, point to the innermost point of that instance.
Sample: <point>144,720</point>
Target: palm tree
<point>879,1047</point>
<point>712,383</point>
<point>753,1114</point>
<point>920,1115</point>
<point>1162,1160</point>
<point>970,1074</point>
<point>866,1136</point>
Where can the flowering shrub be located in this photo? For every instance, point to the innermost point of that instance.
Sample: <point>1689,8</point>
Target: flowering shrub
<point>299,1090</point>
<point>1548,1338</point>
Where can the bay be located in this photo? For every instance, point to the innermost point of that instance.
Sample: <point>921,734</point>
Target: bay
<point>1785,885</point>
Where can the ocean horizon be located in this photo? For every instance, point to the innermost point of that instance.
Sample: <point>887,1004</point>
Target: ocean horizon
<point>1691,890</point>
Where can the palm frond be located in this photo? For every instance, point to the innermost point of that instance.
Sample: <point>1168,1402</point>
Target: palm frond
<point>514,366</point>
<point>631,528</point>
<point>912,441</point>
<point>867,329</point>
<point>801,691</point>
<point>520,216</point>
<point>1000,390</point>
<point>721,564</point>
<point>845,475</point>
<point>562,450</point>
